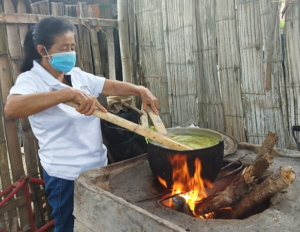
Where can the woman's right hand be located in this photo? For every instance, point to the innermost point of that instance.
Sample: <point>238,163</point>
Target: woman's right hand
<point>87,102</point>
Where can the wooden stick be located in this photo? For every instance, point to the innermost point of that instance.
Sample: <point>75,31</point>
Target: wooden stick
<point>275,152</point>
<point>137,129</point>
<point>242,184</point>
<point>276,182</point>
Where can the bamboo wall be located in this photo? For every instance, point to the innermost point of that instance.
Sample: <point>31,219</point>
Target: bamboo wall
<point>219,64</point>
<point>95,54</point>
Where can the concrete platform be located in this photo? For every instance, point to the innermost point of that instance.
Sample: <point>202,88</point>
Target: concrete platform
<point>106,199</point>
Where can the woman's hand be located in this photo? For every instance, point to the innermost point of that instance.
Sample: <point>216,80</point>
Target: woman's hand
<point>148,99</point>
<point>87,103</point>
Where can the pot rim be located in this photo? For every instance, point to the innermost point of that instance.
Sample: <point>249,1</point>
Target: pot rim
<point>192,129</point>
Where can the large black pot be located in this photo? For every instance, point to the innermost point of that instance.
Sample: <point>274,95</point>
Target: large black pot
<point>211,157</point>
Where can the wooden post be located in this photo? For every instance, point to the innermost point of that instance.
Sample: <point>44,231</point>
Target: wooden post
<point>124,41</point>
<point>95,46</point>
<point>41,7</point>
<point>57,8</point>
<point>84,40</point>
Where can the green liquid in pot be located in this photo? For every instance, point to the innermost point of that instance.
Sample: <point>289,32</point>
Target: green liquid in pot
<point>195,141</point>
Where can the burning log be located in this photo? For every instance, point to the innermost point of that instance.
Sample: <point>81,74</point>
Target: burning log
<point>243,183</point>
<point>180,205</point>
<point>276,182</point>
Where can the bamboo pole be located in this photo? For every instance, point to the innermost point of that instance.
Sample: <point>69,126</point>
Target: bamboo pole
<point>124,41</point>
<point>84,40</point>
<point>136,128</point>
<point>57,8</point>
<point>95,46</point>
<point>14,50</point>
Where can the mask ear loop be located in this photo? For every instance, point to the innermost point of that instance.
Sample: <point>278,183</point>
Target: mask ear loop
<point>47,54</point>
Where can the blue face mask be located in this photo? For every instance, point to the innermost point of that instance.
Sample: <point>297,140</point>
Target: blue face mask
<point>62,62</point>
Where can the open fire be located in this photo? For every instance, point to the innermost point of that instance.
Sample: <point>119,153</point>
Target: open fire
<point>191,188</point>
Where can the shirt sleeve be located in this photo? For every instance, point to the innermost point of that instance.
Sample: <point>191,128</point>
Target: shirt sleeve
<point>24,85</point>
<point>96,83</point>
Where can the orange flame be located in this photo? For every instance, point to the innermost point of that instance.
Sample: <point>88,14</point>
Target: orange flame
<point>191,188</point>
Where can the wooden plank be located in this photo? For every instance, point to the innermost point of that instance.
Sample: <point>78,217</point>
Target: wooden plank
<point>57,9</point>
<point>14,50</point>
<point>30,151</point>
<point>95,46</point>
<point>107,43</point>
<point>152,53</point>
<point>70,10</point>
<point>292,54</point>
<point>229,69</point>
<point>23,28</point>
<point>41,7</point>
<point>34,18</point>
<point>84,40</point>
<point>4,166</point>
<point>124,41</point>
<point>276,105</point>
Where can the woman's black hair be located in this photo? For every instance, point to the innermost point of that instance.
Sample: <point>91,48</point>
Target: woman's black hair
<point>44,33</point>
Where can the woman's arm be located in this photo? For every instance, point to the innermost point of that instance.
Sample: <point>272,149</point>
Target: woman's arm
<point>20,106</point>
<point>118,88</point>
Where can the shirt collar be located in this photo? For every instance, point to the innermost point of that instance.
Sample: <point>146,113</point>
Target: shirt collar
<point>44,74</point>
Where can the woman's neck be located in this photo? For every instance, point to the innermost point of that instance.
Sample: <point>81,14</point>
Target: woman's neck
<point>57,75</point>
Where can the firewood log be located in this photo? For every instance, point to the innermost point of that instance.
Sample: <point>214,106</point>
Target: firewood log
<point>180,205</point>
<point>243,183</point>
<point>276,182</point>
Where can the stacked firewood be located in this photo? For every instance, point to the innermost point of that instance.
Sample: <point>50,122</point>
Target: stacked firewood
<point>252,186</point>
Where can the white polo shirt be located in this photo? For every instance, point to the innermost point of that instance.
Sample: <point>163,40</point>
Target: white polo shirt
<point>69,142</point>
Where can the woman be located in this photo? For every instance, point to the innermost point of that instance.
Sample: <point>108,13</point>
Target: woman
<point>70,142</point>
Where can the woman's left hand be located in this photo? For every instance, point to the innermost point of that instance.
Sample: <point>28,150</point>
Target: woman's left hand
<point>148,99</point>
